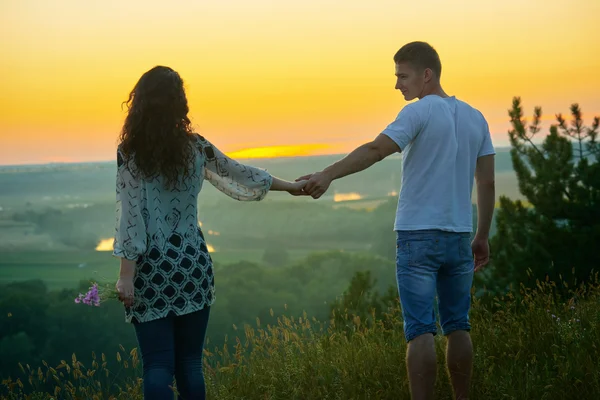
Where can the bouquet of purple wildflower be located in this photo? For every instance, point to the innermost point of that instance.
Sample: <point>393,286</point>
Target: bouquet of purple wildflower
<point>96,295</point>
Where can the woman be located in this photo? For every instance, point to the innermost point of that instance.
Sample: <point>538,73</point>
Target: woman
<point>166,277</point>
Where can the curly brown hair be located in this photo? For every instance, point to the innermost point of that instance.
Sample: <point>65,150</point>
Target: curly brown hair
<point>157,132</point>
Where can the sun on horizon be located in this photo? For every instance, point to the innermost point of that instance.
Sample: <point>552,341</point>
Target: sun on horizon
<point>302,150</point>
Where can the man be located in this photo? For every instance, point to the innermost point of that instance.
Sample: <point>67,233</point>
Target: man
<point>445,144</point>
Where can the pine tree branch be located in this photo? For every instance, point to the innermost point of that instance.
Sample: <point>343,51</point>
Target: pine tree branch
<point>578,132</point>
<point>518,122</point>
<point>516,115</point>
<point>593,145</point>
<point>577,124</point>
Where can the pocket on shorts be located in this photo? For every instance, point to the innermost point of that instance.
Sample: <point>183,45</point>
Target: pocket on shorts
<point>417,251</point>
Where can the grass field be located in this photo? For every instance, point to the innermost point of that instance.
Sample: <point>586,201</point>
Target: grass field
<point>531,345</point>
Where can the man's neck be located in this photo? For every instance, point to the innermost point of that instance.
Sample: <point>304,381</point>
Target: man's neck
<point>437,91</point>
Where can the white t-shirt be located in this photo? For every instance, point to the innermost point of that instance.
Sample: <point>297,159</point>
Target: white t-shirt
<point>440,139</point>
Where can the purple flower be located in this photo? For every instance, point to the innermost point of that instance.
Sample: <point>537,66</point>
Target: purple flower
<point>91,298</point>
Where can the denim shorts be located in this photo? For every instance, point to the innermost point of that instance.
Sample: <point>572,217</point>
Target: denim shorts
<point>434,265</point>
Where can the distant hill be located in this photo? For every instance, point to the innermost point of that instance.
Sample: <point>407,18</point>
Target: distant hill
<point>70,207</point>
<point>94,182</point>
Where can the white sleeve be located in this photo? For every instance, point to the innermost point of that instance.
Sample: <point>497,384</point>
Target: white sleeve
<point>238,181</point>
<point>130,230</point>
<point>487,147</point>
<point>405,128</point>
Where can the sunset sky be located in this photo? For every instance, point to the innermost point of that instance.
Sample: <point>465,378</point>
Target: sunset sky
<point>286,77</point>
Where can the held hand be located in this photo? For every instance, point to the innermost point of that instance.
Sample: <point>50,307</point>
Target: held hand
<point>304,178</point>
<point>297,188</point>
<point>124,288</point>
<point>318,184</point>
<point>481,252</point>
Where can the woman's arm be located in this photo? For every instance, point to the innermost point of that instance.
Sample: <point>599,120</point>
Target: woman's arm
<point>124,285</point>
<point>130,229</point>
<point>293,188</point>
<point>239,181</point>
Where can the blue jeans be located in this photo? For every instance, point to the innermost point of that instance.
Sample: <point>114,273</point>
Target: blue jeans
<point>173,346</point>
<point>430,264</point>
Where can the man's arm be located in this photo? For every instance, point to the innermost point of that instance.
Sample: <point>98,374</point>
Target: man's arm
<point>358,160</point>
<point>486,200</point>
<point>486,194</point>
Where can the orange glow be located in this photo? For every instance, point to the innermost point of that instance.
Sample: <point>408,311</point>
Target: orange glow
<point>338,197</point>
<point>278,79</point>
<point>282,151</point>
<point>210,248</point>
<point>105,245</point>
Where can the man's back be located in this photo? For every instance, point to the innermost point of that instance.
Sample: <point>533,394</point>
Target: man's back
<point>439,163</point>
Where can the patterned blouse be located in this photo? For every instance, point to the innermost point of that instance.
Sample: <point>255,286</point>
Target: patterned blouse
<point>159,229</point>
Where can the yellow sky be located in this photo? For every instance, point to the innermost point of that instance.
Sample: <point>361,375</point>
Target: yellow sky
<point>261,73</point>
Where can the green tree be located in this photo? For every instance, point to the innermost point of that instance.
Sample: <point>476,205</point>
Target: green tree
<point>556,233</point>
<point>276,255</point>
<point>23,307</point>
<point>361,300</point>
<point>380,230</point>
<point>14,349</point>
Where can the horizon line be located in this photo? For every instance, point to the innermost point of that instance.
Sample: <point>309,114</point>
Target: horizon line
<point>237,155</point>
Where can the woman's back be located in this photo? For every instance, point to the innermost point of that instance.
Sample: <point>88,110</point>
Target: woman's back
<point>157,225</point>
<point>166,209</point>
<point>162,164</point>
<point>166,277</point>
